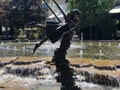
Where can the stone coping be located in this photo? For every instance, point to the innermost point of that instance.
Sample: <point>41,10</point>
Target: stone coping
<point>78,61</point>
<point>7,59</point>
<point>27,58</point>
<point>13,85</point>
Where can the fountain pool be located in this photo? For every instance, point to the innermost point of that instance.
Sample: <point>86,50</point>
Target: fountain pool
<point>15,71</point>
<point>95,50</point>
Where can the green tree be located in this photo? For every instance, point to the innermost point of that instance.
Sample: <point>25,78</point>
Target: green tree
<point>95,13</point>
<point>4,20</point>
<point>21,12</point>
<point>25,11</point>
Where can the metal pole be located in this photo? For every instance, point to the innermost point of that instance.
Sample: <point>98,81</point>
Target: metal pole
<point>52,10</point>
<point>63,13</point>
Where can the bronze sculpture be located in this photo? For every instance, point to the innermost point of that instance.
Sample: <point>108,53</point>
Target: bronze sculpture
<point>65,33</point>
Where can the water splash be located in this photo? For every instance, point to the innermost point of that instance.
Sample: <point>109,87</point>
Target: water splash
<point>14,48</point>
<point>99,44</point>
<point>2,43</point>
<point>109,44</point>
<point>23,48</point>
<point>8,47</point>
<point>91,44</point>
<point>118,45</point>
<point>81,53</point>
<point>100,54</point>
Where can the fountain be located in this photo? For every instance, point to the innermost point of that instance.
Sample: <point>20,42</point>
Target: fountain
<point>38,73</point>
<point>109,44</point>
<point>91,44</point>
<point>23,48</point>
<point>100,54</point>
<point>2,43</point>
<point>92,51</point>
<point>14,48</point>
<point>81,53</point>
<point>100,44</point>
<point>19,41</point>
<point>8,47</point>
<point>82,46</point>
<point>118,45</point>
<point>89,70</point>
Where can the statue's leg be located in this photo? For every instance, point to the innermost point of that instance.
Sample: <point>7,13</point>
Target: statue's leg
<point>62,64</point>
<point>60,53</point>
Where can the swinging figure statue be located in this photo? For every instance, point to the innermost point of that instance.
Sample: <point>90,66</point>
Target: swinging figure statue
<point>65,33</point>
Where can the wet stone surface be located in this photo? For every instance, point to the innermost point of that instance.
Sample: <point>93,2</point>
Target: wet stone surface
<point>39,72</point>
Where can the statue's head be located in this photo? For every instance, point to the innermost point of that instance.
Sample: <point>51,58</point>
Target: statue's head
<point>74,15</point>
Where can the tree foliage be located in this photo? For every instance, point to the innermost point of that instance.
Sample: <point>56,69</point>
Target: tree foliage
<point>95,13</point>
<point>25,11</point>
<point>18,13</point>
